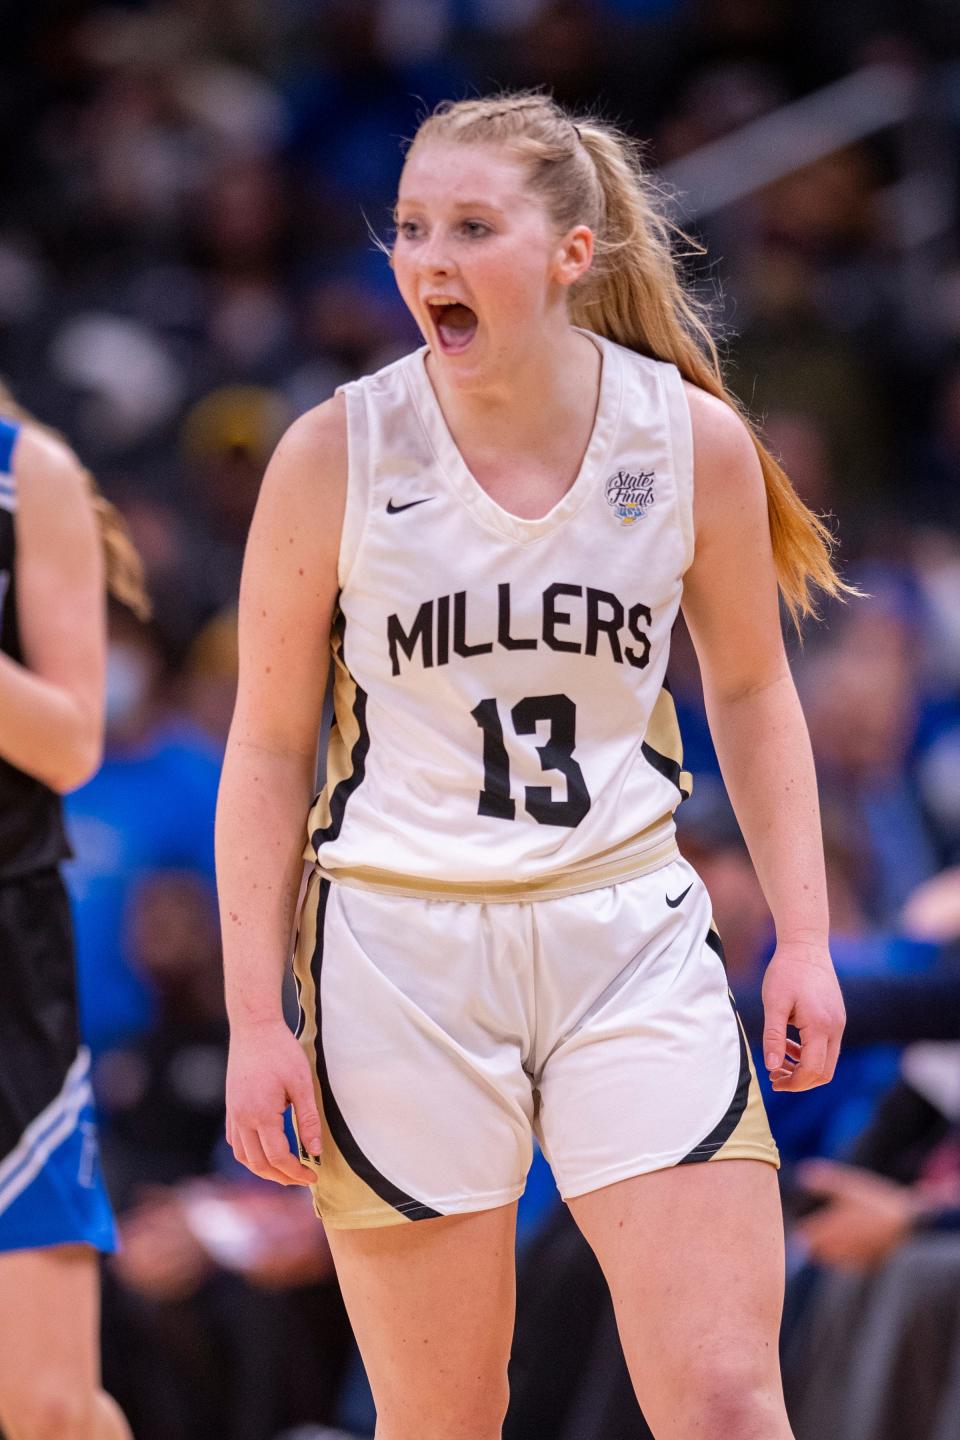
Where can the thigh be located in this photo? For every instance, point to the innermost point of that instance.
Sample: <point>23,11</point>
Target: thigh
<point>694,1259</point>
<point>413,1020</point>
<point>644,1063</point>
<point>49,1320</point>
<point>432,1308</point>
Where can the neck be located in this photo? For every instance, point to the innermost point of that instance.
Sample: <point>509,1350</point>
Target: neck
<point>551,385</point>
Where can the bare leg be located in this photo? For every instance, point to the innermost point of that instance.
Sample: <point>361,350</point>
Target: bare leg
<point>432,1307</point>
<point>694,1260</point>
<point>50,1356</point>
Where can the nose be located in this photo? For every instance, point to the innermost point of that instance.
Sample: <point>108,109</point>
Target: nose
<point>435,258</point>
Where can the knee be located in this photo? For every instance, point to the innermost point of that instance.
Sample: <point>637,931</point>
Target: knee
<point>734,1401</point>
<point>475,1412</point>
<point>49,1411</point>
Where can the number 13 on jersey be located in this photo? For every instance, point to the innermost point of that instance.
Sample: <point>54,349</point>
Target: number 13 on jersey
<point>556,753</point>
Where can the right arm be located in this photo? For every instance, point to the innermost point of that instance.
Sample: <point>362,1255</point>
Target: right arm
<point>51,706</point>
<point>288,596</point>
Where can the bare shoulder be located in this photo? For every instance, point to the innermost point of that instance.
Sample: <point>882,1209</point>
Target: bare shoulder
<point>725,460</point>
<point>299,512</point>
<point>313,451</point>
<point>47,471</point>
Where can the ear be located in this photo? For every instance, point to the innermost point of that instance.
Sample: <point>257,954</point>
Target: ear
<point>574,255</point>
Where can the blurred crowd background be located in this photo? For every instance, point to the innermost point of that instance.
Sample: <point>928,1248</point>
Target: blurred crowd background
<point>190,189</point>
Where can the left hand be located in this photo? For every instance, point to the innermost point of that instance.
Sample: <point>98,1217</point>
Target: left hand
<point>800,988</point>
<point>867,1218</point>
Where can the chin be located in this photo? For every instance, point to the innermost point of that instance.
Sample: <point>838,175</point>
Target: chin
<point>462,370</point>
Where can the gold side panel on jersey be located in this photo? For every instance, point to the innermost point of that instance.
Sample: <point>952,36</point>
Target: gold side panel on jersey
<point>751,1139</point>
<point>344,734</point>
<point>340,1198</point>
<point>653,848</point>
<point>663,737</point>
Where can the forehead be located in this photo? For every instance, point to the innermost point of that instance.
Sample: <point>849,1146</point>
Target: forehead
<point>454,173</point>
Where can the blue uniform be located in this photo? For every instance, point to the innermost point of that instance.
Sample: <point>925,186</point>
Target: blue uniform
<point>51,1186</point>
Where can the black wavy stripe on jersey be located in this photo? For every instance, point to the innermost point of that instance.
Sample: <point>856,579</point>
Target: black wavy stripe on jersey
<point>358,757</point>
<point>32,835</point>
<point>38,1011</point>
<point>343,1136</point>
<point>670,769</point>
<point>667,767</point>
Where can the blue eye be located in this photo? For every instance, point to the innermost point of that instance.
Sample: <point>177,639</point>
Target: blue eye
<point>476,228</point>
<point>409,229</point>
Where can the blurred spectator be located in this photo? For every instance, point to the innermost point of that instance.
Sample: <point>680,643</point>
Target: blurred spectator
<point>169,1083</point>
<point>791,357</point>
<point>862,696</point>
<point>877,1354</point>
<point>149,808</point>
<point>225,1278</point>
<point>222,1313</point>
<point>210,676</point>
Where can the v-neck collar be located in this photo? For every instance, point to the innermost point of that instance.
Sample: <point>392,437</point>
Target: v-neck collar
<point>469,489</point>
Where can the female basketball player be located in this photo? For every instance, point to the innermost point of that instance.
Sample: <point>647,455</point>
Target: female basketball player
<point>54,1213</point>
<point>492,537</point>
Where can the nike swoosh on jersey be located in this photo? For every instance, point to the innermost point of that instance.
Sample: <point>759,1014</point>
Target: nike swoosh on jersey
<point>680,898</point>
<point>407,505</point>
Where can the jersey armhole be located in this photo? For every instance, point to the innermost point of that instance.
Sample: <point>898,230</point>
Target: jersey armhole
<point>357,502</point>
<point>681,446</point>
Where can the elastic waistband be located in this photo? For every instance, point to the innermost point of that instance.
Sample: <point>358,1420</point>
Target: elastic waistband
<point>645,853</point>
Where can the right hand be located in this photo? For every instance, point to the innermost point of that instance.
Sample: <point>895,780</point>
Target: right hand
<point>266,1072</point>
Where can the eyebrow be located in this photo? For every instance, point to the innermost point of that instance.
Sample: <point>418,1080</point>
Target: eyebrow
<point>458,204</point>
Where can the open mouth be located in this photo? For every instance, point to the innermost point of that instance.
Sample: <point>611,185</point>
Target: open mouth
<point>455,324</point>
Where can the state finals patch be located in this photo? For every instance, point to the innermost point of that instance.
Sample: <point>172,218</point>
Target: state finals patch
<point>629,496</point>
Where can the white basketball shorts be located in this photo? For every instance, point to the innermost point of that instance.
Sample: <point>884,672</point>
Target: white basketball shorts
<point>444,1035</point>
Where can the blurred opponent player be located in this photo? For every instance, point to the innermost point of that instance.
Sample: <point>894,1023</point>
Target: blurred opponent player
<point>55,569</point>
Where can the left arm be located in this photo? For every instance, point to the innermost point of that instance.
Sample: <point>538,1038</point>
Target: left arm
<point>730,605</point>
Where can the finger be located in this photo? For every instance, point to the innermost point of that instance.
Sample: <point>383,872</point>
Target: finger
<point>258,1162</point>
<point>832,1056</point>
<point>774,1036</point>
<point>789,1061</point>
<point>306,1113</point>
<point>813,1058</point>
<point>238,1150</point>
<point>278,1155</point>
<point>812,1064</point>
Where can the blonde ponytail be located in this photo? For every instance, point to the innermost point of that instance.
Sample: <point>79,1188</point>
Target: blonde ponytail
<point>126,580</point>
<point>590,173</point>
<point>125,577</point>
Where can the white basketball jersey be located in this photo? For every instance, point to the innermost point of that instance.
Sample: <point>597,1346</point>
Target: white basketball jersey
<point>501,715</point>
